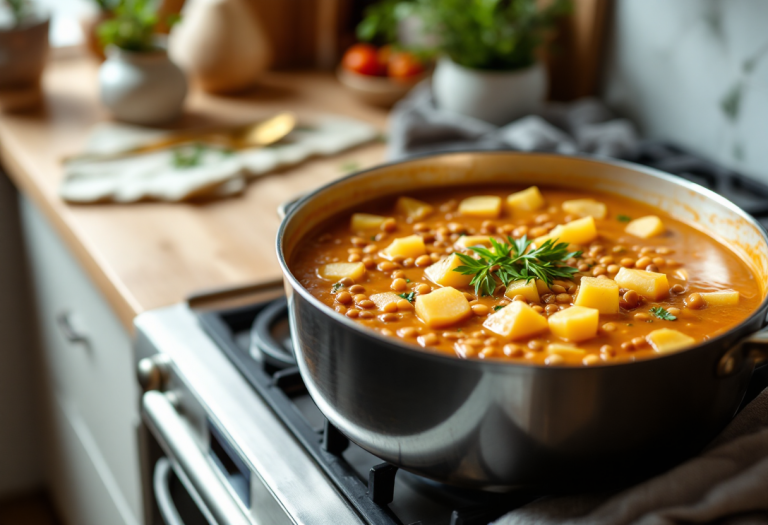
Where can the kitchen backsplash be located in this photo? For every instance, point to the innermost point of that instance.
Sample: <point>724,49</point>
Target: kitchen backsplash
<point>694,72</point>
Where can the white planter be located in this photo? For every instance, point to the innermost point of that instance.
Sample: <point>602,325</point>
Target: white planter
<point>498,97</point>
<point>142,88</point>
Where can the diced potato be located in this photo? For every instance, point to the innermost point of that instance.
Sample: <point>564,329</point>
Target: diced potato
<point>414,209</point>
<point>666,340</point>
<point>576,323</point>
<point>645,227</point>
<point>365,221</point>
<point>465,241</point>
<point>529,290</point>
<point>542,287</point>
<point>411,246</point>
<point>484,206</point>
<point>383,299</point>
<point>526,200</point>
<point>585,208</point>
<point>580,231</point>
<point>651,285</point>
<point>442,273</point>
<point>516,321</point>
<point>336,271</point>
<point>564,349</point>
<point>600,294</point>
<point>724,298</point>
<point>443,307</point>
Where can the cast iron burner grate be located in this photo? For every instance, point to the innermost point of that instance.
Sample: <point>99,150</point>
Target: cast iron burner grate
<point>371,493</point>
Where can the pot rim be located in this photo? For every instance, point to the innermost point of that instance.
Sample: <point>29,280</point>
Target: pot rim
<point>535,66</point>
<point>397,345</point>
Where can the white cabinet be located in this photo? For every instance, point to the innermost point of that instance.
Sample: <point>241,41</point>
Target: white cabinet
<point>91,396</point>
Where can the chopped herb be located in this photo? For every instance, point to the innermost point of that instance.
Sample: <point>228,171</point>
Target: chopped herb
<point>662,314</point>
<point>188,156</point>
<point>349,166</point>
<point>408,296</point>
<point>510,261</point>
<point>407,280</point>
<point>623,218</point>
<point>373,237</point>
<point>336,286</point>
<point>629,324</point>
<point>498,307</point>
<point>458,329</point>
<point>649,321</point>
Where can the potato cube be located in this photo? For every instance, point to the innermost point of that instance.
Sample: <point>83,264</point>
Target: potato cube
<point>365,221</point>
<point>337,271</point>
<point>526,200</point>
<point>484,206</point>
<point>666,340</point>
<point>600,294</point>
<point>516,321</point>
<point>723,298</point>
<point>414,209</point>
<point>411,246</point>
<point>542,287</point>
<point>565,349</point>
<point>465,241</point>
<point>529,290</point>
<point>651,285</point>
<point>645,227</point>
<point>383,299</point>
<point>576,323</point>
<point>442,273</point>
<point>585,208</point>
<point>443,307</point>
<point>580,231</point>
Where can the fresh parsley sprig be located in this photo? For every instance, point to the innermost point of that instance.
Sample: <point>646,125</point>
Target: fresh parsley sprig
<point>662,314</point>
<point>408,296</point>
<point>511,261</point>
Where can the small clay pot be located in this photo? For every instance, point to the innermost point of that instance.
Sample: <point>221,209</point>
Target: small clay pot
<point>90,27</point>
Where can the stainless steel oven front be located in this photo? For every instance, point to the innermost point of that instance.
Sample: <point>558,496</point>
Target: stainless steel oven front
<point>212,450</point>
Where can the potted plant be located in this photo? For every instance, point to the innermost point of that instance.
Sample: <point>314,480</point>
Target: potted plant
<point>89,25</point>
<point>488,66</point>
<point>138,81</point>
<point>23,51</point>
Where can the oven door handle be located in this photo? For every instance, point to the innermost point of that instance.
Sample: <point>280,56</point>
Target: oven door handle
<point>174,437</point>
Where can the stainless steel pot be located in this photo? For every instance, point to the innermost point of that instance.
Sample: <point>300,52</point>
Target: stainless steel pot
<point>498,425</point>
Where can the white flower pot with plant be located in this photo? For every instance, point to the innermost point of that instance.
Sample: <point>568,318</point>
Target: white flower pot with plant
<point>139,83</point>
<point>23,52</point>
<point>488,67</point>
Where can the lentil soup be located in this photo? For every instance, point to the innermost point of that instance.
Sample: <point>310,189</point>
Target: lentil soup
<point>551,276</point>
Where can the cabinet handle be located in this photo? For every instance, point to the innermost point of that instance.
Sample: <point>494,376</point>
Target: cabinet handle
<point>68,328</point>
<point>173,436</point>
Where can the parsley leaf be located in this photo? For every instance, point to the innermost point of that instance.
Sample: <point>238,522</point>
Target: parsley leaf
<point>623,218</point>
<point>335,287</point>
<point>408,296</point>
<point>662,314</point>
<point>512,260</point>
<point>498,307</point>
<point>188,156</point>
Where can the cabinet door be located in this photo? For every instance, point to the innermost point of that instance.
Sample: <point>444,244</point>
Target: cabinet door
<point>87,358</point>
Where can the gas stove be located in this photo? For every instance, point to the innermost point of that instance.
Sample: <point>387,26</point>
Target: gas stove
<point>232,437</point>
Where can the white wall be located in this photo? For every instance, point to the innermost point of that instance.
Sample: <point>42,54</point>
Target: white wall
<point>695,72</point>
<point>20,443</point>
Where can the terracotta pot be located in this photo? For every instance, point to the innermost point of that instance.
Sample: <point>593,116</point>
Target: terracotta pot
<point>221,44</point>
<point>23,52</point>
<point>90,27</point>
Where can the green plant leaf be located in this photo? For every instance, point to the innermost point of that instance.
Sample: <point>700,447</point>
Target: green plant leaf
<point>662,314</point>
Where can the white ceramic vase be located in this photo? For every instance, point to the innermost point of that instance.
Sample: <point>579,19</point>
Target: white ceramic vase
<point>142,88</point>
<point>221,44</point>
<point>498,97</point>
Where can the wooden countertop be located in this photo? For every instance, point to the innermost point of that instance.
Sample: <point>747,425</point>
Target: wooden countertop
<point>148,255</point>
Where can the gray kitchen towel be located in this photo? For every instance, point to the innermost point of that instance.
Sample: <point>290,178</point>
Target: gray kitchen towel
<point>726,484</point>
<point>418,126</point>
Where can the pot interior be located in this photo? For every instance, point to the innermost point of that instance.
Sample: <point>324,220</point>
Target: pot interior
<point>685,201</point>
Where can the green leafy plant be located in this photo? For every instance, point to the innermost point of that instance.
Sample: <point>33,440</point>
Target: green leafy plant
<point>20,9</point>
<point>512,261</point>
<point>133,26</point>
<point>106,6</point>
<point>477,34</point>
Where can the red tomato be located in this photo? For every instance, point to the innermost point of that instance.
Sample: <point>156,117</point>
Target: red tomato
<point>404,65</point>
<point>384,54</point>
<point>363,59</point>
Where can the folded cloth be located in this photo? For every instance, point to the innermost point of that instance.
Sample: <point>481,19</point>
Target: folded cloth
<point>418,126</point>
<point>188,172</point>
<point>727,483</point>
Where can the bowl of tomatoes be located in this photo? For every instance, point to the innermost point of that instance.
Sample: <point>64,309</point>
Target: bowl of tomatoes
<point>382,75</point>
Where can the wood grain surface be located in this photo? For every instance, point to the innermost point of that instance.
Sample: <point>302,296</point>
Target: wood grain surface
<point>148,255</point>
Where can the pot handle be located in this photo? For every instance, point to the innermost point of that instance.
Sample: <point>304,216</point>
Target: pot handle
<point>753,348</point>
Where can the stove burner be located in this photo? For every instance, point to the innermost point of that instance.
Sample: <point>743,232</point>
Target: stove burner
<point>271,336</point>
